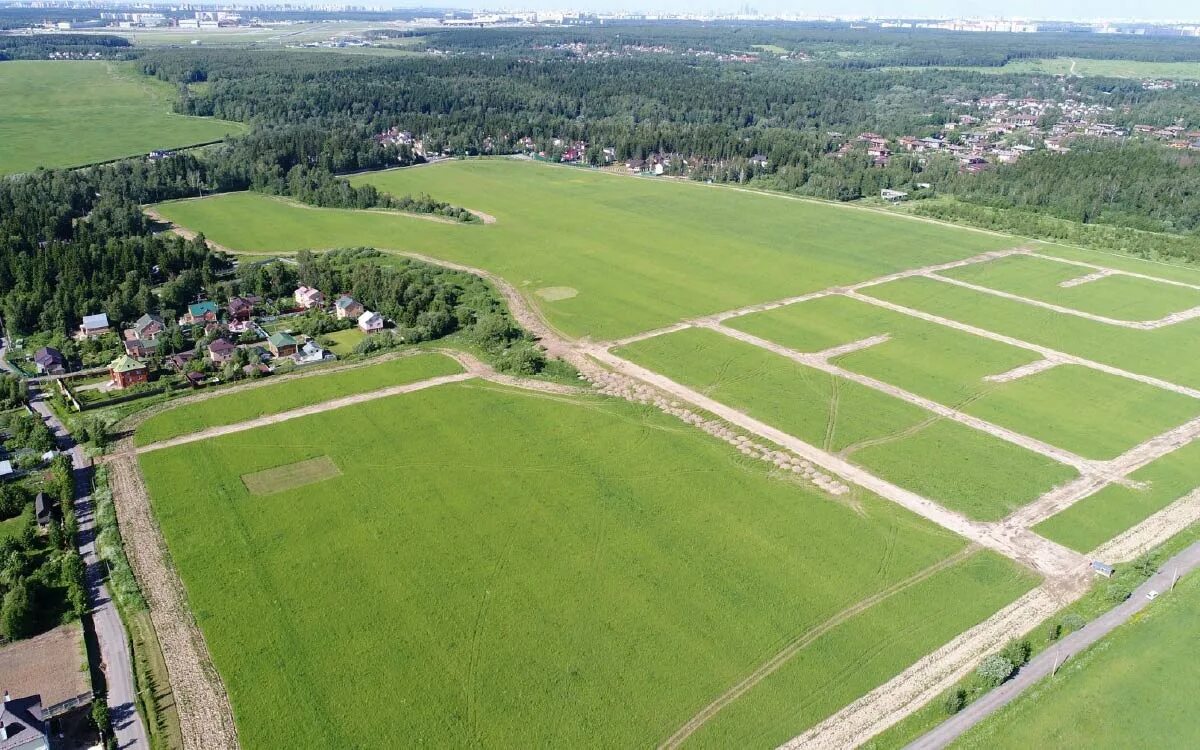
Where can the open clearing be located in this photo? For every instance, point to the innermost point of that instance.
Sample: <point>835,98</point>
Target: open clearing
<point>562,572</point>
<point>280,397</point>
<point>1036,400</point>
<point>290,476</point>
<point>605,237</point>
<point>65,113</point>
<point>1131,689</point>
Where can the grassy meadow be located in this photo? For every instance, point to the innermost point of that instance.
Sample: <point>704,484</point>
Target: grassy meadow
<point>1129,690</point>
<point>621,255</point>
<point>274,398</point>
<point>955,465</point>
<point>565,572</point>
<point>1086,67</point>
<point>65,113</point>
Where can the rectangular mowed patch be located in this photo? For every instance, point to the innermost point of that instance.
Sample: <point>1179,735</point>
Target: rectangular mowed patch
<point>930,360</point>
<point>952,464</point>
<point>290,476</point>
<point>1116,296</point>
<point>275,398</point>
<point>567,572</point>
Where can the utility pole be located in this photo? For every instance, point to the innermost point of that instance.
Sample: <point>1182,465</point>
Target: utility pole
<point>1174,577</point>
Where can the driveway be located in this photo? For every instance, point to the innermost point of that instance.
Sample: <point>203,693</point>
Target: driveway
<point>1044,663</point>
<point>116,660</point>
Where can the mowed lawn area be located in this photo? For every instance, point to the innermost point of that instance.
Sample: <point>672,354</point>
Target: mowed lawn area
<point>950,463</point>
<point>611,255</point>
<point>1135,688</point>
<point>64,113</point>
<point>502,568</point>
<point>273,398</point>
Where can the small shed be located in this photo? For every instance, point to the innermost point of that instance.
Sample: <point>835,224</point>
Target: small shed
<point>893,196</point>
<point>41,509</point>
<point>1103,569</point>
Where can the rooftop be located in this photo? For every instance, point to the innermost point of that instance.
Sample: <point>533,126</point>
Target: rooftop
<point>125,363</point>
<point>50,665</point>
<point>99,320</point>
<point>281,339</point>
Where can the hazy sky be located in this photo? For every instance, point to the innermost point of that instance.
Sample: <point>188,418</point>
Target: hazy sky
<point>1058,9</point>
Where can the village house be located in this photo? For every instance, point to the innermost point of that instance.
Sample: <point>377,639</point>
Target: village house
<point>201,312</point>
<point>281,345</point>
<point>311,353</point>
<point>126,371</point>
<point>179,362</point>
<point>22,726</point>
<point>241,308</point>
<point>308,298</point>
<point>147,327</point>
<point>893,196</point>
<point>41,510</point>
<point>347,307</point>
<point>370,322</point>
<point>221,351</point>
<point>94,325</point>
<point>41,683</point>
<point>141,347</point>
<point>50,361</point>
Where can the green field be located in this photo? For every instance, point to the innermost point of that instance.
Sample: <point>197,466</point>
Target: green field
<point>569,572</point>
<point>1098,518</point>
<point>1081,66</point>
<point>66,113</point>
<point>343,342</point>
<point>638,253</point>
<point>1132,689</point>
<point>1155,352</point>
<point>955,465</point>
<point>1120,297</point>
<point>291,394</point>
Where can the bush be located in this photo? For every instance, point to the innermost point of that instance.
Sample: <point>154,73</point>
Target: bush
<point>1017,652</point>
<point>955,701</point>
<point>1053,632</point>
<point>1146,565</point>
<point>994,670</point>
<point>1117,592</point>
<point>1073,622</point>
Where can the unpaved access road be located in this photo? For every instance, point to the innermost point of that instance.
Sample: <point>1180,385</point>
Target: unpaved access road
<point>1048,661</point>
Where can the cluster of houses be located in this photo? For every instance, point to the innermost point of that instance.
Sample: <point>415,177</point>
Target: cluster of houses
<point>142,340</point>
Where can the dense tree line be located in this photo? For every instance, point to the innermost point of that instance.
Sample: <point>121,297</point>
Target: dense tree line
<point>42,46</point>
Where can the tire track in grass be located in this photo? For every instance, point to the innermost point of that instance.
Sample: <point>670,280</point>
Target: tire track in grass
<point>801,641</point>
<point>477,636</point>
<point>831,419</point>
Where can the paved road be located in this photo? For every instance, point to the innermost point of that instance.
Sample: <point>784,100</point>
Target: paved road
<point>1041,665</point>
<point>110,631</point>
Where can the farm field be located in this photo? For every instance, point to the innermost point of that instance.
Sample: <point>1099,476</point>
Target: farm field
<point>1096,519</point>
<point>1082,66</point>
<point>1120,297</point>
<point>959,467</point>
<point>626,273</point>
<point>290,394</point>
<point>568,571</point>
<point>66,113</point>
<point>1154,353</point>
<point>1129,690</point>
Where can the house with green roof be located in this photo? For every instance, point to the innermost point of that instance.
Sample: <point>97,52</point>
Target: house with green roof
<point>201,312</point>
<point>281,345</point>
<point>126,371</point>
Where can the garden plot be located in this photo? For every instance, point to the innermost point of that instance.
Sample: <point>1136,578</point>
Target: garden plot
<point>1155,353</point>
<point>955,465</point>
<point>568,571</point>
<point>925,358</point>
<point>1094,520</point>
<point>1113,295</point>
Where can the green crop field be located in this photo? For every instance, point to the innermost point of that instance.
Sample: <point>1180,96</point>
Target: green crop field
<point>1120,297</point>
<point>1131,689</point>
<point>1082,66</point>
<point>622,255</point>
<point>565,571</point>
<point>1154,352</point>
<point>1098,518</point>
<point>65,113</point>
<point>960,467</point>
<point>290,394</point>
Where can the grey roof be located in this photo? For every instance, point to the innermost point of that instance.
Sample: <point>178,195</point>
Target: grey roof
<point>99,320</point>
<point>22,718</point>
<point>48,355</point>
